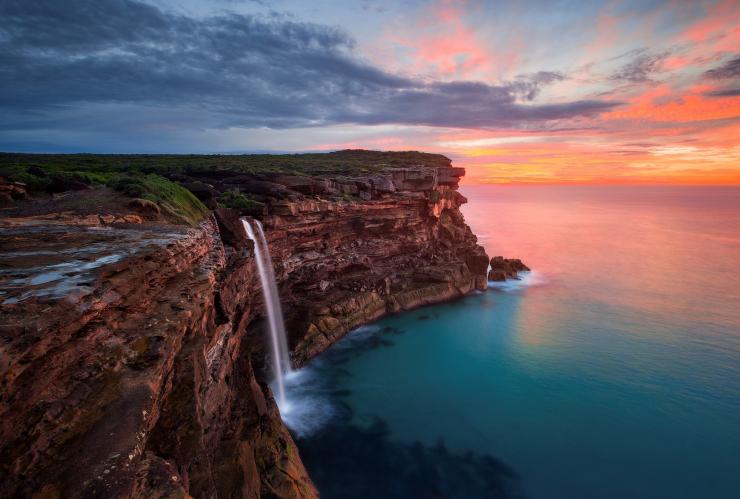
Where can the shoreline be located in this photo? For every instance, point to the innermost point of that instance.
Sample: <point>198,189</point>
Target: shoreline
<point>151,367</point>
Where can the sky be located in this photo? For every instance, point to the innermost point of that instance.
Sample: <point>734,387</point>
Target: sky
<point>517,92</point>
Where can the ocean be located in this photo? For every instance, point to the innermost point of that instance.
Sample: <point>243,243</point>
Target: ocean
<point>612,370</point>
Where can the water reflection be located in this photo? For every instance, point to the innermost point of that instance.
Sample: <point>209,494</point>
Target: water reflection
<point>611,380</point>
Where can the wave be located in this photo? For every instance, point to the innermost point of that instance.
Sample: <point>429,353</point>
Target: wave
<point>526,280</point>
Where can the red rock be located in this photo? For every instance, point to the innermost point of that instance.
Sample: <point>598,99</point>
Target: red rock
<point>497,275</point>
<point>150,383</point>
<point>505,268</point>
<point>10,192</point>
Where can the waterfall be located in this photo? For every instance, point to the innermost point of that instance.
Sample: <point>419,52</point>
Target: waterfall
<point>279,342</point>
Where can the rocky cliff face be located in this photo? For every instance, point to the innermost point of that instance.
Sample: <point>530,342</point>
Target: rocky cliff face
<point>138,383</point>
<point>345,264</point>
<point>131,354</point>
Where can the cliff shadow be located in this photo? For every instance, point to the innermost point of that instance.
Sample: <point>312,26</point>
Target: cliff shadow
<point>345,460</point>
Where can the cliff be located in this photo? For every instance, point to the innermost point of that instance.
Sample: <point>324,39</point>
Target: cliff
<point>131,345</point>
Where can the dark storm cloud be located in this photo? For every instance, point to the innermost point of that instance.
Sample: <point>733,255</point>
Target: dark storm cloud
<point>729,70</point>
<point>61,59</point>
<point>641,68</point>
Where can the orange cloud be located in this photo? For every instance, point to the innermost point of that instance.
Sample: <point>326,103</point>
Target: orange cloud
<point>719,30</point>
<point>669,129</point>
<point>441,44</point>
<point>662,104</point>
<point>690,153</point>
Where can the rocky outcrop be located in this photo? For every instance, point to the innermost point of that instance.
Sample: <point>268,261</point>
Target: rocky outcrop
<point>505,268</point>
<point>10,192</point>
<point>138,382</point>
<point>343,264</point>
<point>132,354</point>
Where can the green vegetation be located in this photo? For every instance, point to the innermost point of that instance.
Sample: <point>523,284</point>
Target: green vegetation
<point>235,199</point>
<point>315,164</point>
<point>145,175</point>
<point>171,197</point>
<point>38,179</point>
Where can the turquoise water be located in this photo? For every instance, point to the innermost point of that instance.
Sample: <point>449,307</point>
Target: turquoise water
<point>612,370</point>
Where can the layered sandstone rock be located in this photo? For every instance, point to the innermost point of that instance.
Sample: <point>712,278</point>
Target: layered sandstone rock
<point>343,264</point>
<point>138,382</point>
<point>132,354</point>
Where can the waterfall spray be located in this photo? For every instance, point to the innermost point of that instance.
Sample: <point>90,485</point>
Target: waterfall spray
<point>279,342</point>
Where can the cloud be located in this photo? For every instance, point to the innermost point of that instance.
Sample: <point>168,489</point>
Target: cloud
<point>729,70</point>
<point>728,77</point>
<point>641,68</point>
<point>64,63</point>
<point>373,6</point>
<point>729,92</point>
<point>529,86</point>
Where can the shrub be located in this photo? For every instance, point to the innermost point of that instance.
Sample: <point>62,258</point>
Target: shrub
<point>235,199</point>
<point>33,182</point>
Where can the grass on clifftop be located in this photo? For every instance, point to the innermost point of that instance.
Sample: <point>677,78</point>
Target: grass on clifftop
<point>170,196</point>
<point>143,175</point>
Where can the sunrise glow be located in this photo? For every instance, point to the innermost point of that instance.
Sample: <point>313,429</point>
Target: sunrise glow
<point>537,92</point>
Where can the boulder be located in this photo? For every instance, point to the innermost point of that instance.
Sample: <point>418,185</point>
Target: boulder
<point>11,191</point>
<point>505,268</point>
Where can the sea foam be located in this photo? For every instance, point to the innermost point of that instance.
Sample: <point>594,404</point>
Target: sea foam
<point>526,280</point>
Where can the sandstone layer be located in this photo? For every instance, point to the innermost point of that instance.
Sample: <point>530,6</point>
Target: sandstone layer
<point>132,357</point>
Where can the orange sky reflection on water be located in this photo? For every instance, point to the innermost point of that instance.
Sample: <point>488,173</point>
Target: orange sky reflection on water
<point>628,248</point>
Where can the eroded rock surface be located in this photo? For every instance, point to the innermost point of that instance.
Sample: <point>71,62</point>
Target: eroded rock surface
<point>10,192</point>
<point>505,268</point>
<point>133,378</point>
<point>343,264</point>
<point>132,354</point>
